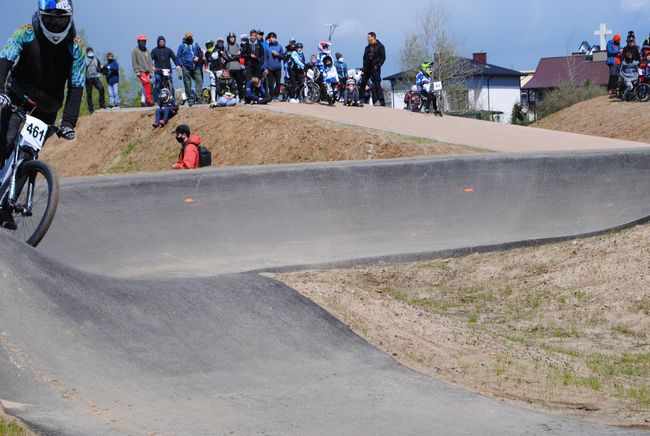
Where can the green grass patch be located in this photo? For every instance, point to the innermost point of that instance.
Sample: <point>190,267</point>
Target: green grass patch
<point>11,428</point>
<point>631,365</point>
<point>534,299</point>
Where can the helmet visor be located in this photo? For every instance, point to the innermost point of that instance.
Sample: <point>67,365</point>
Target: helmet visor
<point>56,23</point>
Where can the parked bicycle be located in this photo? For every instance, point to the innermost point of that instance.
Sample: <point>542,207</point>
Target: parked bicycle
<point>29,188</point>
<point>309,91</point>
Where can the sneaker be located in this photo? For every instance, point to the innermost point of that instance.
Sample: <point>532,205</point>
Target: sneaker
<point>162,124</point>
<point>155,125</point>
<point>7,220</point>
<point>294,100</point>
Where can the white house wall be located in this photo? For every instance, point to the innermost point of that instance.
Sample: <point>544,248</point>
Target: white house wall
<point>503,93</point>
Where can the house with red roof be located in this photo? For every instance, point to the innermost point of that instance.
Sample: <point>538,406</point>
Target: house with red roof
<point>553,72</point>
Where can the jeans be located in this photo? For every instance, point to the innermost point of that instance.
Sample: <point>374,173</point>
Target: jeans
<point>223,102</point>
<point>629,86</point>
<point>163,114</point>
<point>193,75</point>
<point>114,95</point>
<point>158,80</point>
<point>374,76</point>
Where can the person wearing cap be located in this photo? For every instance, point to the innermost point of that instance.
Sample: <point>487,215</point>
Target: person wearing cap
<point>273,59</point>
<point>613,61</point>
<point>143,67</point>
<point>297,66</point>
<point>190,56</point>
<point>112,72</point>
<point>253,54</point>
<point>631,47</point>
<point>341,68</point>
<point>93,80</point>
<point>162,58</point>
<point>188,158</point>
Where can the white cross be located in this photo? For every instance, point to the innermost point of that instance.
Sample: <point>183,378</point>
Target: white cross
<point>603,32</point>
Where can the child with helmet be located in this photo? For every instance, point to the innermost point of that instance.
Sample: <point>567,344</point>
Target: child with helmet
<point>167,108</point>
<point>424,84</point>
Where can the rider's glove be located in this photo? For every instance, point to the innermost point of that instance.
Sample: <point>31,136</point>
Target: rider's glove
<point>66,133</point>
<point>5,101</point>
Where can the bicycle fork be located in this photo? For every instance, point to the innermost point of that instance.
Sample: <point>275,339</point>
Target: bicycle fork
<point>8,187</point>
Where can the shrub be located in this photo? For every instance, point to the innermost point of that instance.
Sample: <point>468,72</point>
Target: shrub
<point>518,117</point>
<point>567,95</point>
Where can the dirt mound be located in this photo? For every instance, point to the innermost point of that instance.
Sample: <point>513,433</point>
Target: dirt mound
<point>124,142</point>
<point>603,116</point>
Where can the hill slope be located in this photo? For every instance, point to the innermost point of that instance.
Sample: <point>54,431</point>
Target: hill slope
<point>603,117</point>
<point>124,142</point>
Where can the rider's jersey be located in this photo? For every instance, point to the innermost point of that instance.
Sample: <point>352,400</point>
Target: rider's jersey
<point>423,81</point>
<point>35,61</point>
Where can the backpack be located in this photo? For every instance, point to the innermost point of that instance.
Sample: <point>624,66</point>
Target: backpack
<point>205,157</point>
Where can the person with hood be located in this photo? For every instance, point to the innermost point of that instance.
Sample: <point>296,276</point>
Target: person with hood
<point>273,59</point>
<point>232,55</point>
<point>162,58</point>
<point>190,56</point>
<point>374,57</point>
<point>341,68</point>
<point>46,56</point>
<point>188,159</point>
<point>614,62</point>
<point>112,72</point>
<point>143,67</point>
<point>93,80</point>
<point>253,54</point>
<point>227,90</point>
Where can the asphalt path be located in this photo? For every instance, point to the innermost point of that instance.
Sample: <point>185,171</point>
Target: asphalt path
<point>143,312</point>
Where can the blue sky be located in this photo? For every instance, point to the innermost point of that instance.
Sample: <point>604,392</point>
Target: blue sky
<point>514,33</point>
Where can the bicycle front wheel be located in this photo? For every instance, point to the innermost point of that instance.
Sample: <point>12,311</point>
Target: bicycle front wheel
<point>37,197</point>
<point>642,92</point>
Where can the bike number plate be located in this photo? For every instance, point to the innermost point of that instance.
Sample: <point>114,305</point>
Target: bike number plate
<point>34,132</point>
<point>437,86</point>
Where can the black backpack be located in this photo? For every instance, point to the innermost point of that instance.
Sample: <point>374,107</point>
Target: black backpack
<point>205,157</point>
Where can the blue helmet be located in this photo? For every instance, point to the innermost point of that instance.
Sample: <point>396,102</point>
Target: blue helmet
<point>55,17</point>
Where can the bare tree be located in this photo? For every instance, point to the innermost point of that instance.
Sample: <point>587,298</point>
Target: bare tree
<point>434,40</point>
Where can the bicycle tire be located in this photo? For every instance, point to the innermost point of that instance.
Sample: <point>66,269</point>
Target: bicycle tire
<point>310,93</point>
<point>33,235</point>
<point>642,92</point>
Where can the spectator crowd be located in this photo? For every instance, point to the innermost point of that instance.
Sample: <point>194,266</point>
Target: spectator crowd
<point>253,68</point>
<point>628,65</point>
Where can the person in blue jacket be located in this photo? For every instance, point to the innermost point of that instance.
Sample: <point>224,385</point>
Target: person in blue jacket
<point>112,72</point>
<point>614,62</point>
<point>297,66</point>
<point>190,56</point>
<point>255,93</point>
<point>273,57</point>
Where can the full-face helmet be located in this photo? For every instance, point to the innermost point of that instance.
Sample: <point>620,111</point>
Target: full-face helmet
<point>55,18</point>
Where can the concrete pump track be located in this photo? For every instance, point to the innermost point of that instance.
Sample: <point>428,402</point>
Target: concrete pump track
<point>143,312</point>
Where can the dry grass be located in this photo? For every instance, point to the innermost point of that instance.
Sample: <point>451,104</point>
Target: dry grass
<point>111,142</point>
<point>562,326</point>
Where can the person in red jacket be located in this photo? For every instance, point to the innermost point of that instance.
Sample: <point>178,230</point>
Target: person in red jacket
<point>188,159</point>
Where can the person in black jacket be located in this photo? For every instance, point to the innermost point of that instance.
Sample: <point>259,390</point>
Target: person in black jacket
<point>632,48</point>
<point>253,54</point>
<point>162,57</point>
<point>373,59</point>
<point>45,59</point>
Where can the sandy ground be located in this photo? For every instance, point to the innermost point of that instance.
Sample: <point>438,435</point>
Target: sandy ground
<point>125,142</point>
<point>462,131</point>
<point>561,327</point>
<point>603,116</point>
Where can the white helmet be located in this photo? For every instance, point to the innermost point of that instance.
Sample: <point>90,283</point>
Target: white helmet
<point>55,18</point>
<point>414,88</point>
